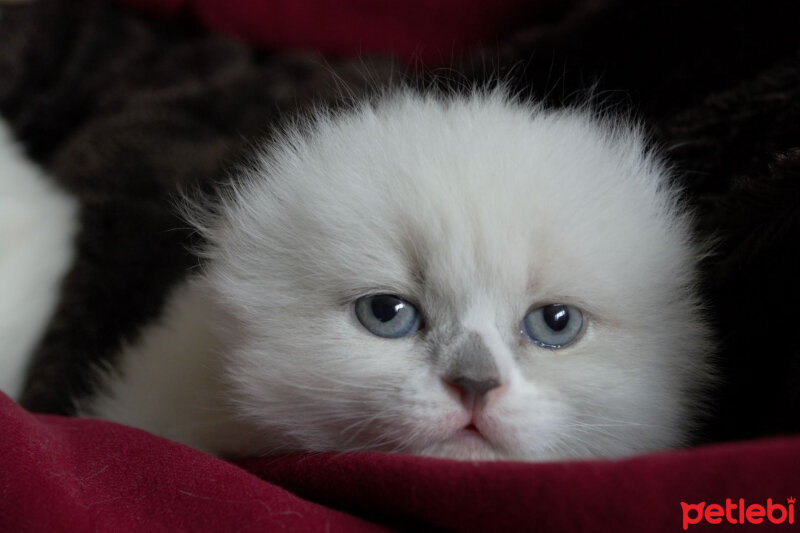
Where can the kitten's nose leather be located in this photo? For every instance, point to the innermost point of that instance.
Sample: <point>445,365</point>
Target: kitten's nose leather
<point>475,387</point>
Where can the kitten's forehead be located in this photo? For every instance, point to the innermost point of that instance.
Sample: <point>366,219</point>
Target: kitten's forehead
<point>468,196</point>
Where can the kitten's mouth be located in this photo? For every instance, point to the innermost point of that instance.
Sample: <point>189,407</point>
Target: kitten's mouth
<point>471,433</point>
<point>468,443</point>
<point>472,427</point>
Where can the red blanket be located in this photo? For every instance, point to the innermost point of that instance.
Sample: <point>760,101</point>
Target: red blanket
<point>87,475</point>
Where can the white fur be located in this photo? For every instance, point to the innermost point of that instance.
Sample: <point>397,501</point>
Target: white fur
<point>38,223</point>
<point>475,208</point>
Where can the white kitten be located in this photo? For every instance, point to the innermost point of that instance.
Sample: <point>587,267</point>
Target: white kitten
<point>453,276</point>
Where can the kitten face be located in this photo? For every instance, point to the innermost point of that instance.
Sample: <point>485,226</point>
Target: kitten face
<point>471,212</point>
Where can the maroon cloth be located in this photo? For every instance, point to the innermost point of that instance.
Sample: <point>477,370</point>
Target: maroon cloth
<point>60,473</point>
<point>431,31</point>
<point>70,474</point>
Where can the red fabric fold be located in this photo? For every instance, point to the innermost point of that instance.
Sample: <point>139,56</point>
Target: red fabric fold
<point>638,494</point>
<point>67,474</point>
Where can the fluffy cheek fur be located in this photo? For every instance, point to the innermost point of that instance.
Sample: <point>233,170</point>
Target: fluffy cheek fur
<point>310,378</point>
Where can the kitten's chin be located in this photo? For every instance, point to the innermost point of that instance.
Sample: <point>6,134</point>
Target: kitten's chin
<point>465,444</point>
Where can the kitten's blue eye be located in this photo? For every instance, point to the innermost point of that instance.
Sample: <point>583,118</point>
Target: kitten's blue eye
<point>553,326</point>
<point>387,316</point>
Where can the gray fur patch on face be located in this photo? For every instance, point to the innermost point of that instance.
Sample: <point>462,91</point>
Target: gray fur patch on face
<point>470,365</point>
